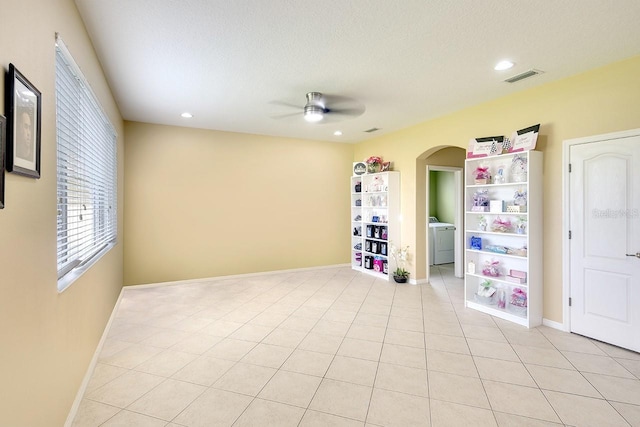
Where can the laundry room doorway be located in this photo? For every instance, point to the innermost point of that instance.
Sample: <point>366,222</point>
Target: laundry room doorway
<point>445,217</point>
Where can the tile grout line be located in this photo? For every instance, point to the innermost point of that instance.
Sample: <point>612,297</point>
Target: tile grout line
<point>317,321</point>
<point>167,378</point>
<point>375,377</point>
<point>235,362</point>
<point>338,349</point>
<point>426,356</point>
<point>256,396</point>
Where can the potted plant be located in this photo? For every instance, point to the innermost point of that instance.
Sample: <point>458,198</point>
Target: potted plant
<point>374,164</point>
<point>400,275</point>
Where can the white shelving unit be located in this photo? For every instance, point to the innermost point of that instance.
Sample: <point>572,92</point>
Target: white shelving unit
<point>375,208</point>
<point>511,249</point>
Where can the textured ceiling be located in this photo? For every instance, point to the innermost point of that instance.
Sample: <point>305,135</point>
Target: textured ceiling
<point>235,64</point>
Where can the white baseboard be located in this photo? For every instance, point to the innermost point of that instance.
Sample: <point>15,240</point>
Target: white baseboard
<point>234,276</point>
<point>92,365</point>
<point>555,325</point>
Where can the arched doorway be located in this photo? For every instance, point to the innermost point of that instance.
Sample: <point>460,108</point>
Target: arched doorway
<point>447,159</point>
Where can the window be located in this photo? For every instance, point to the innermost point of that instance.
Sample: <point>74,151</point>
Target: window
<point>86,172</point>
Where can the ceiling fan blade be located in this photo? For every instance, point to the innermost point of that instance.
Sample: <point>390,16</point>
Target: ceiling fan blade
<point>338,99</point>
<point>286,104</point>
<point>353,112</point>
<point>284,116</point>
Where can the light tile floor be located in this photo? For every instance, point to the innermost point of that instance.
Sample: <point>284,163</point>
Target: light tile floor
<point>333,347</point>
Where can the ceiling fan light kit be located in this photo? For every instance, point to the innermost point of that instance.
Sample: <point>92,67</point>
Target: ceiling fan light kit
<point>314,110</point>
<point>313,113</point>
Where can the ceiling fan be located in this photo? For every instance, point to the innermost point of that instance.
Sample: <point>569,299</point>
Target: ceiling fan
<point>321,108</point>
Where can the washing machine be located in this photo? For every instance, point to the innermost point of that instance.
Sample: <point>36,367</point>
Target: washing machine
<point>441,238</point>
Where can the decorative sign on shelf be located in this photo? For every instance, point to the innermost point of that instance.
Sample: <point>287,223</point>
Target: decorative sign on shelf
<point>483,147</point>
<point>524,139</point>
<point>521,140</point>
<point>359,168</point>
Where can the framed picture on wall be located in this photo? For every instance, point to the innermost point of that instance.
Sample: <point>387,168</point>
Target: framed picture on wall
<point>23,107</point>
<point>3,133</point>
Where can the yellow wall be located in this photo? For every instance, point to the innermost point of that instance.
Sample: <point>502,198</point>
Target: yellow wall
<point>47,338</point>
<point>204,203</point>
<point>603,100</point>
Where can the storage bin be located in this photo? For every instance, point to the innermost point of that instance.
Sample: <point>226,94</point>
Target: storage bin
<point>383,248</point>
<point>367,245</point>
<point>377,264</point>
<point>375,247</point>
<point>383,233</point>
<point>376,232</point>
<point>370,229</point>
<point>368,262</point>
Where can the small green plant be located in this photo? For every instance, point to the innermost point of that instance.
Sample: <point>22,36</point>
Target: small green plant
<point>401,272</point>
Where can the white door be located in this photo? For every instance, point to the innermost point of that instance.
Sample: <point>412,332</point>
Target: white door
<point>604,208</point>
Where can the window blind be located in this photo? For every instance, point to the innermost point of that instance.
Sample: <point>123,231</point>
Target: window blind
<point>86,169</point>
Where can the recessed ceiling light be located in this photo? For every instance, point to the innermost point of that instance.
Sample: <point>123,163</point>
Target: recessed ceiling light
<point>187,115</point>
<point>338,133</point>
<point>503,65</point>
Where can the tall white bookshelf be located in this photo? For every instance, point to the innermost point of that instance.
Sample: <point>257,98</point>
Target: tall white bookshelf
<point>508,265</point>
<point>375,210</point>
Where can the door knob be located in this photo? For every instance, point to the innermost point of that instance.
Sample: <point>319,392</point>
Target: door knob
<point>637,255</point>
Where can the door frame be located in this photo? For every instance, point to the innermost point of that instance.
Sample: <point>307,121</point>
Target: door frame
<point>566,206</point>
<point>458,234</point>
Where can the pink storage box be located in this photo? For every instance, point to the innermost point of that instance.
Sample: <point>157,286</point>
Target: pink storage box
<point>518,273</point>
<point>514,279</point>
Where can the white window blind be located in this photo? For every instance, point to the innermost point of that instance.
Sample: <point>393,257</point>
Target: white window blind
<point>86,170</point>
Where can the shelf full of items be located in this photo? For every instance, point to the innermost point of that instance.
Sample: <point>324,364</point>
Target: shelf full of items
<point>375,208</point>
<point>503,235</point>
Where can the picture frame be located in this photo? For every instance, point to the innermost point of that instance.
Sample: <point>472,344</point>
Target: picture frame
<point>3,133</point>
<point>23,106</point>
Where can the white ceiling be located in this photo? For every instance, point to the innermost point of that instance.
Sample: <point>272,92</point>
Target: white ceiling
<point>232,64</point>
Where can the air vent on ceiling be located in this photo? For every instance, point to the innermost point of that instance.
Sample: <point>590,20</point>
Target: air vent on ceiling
<point>525,75</point>
<point>372,130</point>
